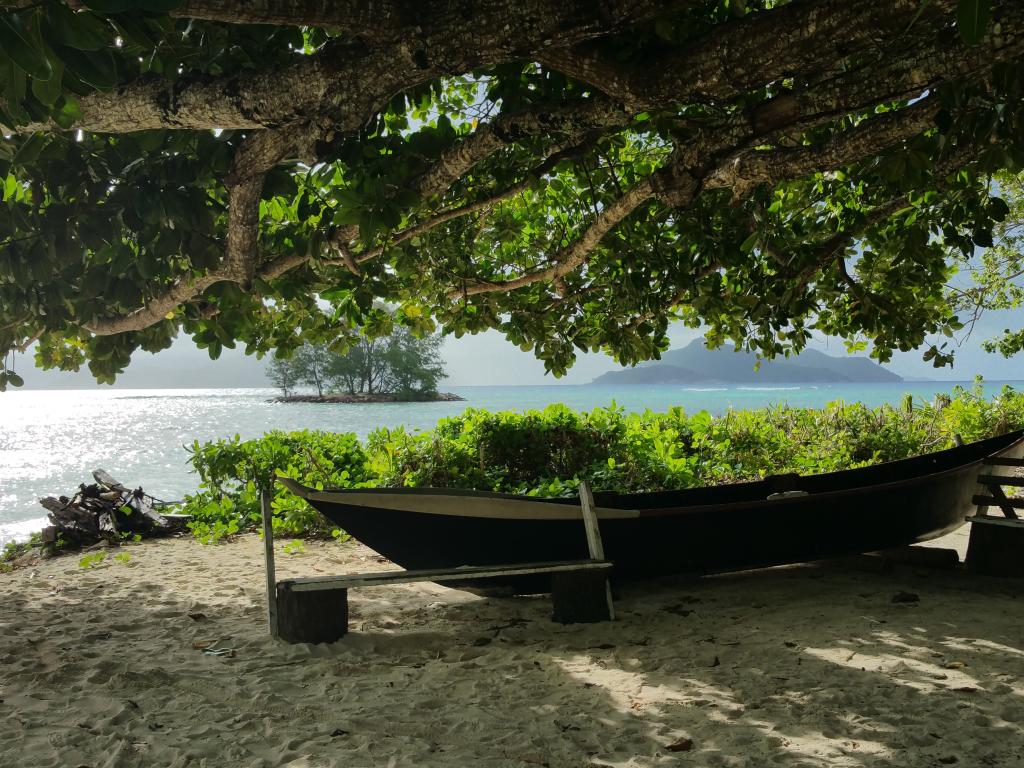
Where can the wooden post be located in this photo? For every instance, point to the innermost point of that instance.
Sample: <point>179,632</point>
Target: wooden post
<point>268,554</point>
<point>581,597</point>
<point>311,617</point>
<point>996,546</point>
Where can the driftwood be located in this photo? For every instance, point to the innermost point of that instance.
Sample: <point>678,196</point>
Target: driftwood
<point>106,510</point>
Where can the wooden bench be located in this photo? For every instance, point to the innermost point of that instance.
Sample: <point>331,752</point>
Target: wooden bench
<point>996,546</point>
<point>315,609</point>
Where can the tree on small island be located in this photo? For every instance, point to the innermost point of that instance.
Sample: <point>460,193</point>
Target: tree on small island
<point>399,366</point>
<point>283,374</point>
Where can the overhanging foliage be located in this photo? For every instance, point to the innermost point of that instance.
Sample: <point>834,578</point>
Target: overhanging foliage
<point>575,174</point>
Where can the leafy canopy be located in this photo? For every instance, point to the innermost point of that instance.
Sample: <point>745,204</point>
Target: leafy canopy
<point>575,175</point>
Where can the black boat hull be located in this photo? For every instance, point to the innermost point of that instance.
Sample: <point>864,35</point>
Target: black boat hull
<point>704,530</point>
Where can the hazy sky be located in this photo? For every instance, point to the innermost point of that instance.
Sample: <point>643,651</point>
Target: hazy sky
<point>489,359</point>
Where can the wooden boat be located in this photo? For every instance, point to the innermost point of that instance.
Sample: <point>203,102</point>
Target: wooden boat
<point>780,520</point>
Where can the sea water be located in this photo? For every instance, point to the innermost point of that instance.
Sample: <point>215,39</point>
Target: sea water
<point>50,441</point>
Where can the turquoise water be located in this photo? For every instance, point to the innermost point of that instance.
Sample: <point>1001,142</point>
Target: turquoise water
<point>50,441</point>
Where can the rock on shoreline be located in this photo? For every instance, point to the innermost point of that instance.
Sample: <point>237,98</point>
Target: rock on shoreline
<point>436,397</point>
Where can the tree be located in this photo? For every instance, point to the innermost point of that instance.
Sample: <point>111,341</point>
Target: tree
<point>399,363</point>
<point>283,374</point>
<point>414,364</point>
<point>362,368</point>
<point>575,174</point>
<point>312,364</point>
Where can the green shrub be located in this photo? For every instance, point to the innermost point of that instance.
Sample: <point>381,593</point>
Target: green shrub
<point>233,471</point>
<point>547,453</point>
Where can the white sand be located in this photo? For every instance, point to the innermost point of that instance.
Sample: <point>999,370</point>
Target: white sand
<point>807,666</point>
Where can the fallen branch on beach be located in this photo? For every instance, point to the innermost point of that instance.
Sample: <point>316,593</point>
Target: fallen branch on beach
<point>106,510</point>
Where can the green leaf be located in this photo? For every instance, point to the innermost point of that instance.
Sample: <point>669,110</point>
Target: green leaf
<point>750,243</point>
<point>14,379</point>
<point>16,41</point>
<point>95,68</point>
<point>10,187</point>
<point>77,30</point>
<point>134,31</point>
<point>973,18</point>
<point>48,91</point>
<point>68,113</point>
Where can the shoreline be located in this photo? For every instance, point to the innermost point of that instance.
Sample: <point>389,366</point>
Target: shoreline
<point>810,665</point>
<point>436,397</point>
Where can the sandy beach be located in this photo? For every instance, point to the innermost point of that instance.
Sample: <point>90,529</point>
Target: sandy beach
<point>805,666</point>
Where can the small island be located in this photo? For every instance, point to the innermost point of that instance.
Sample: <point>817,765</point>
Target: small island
<point>398,368</point>
<point>378,397</point>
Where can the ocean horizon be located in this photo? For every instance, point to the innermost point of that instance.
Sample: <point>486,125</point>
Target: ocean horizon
<point>51,440</point>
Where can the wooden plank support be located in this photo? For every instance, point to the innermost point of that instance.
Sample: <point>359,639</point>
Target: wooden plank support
<point>1015,503</point>
<point>996,480</point>
<point>999,500</point>
<point>996,546</point>
<point>268,556</point>
<point>1002,461</point>
<point>318,583</point>
<point>315,609</point>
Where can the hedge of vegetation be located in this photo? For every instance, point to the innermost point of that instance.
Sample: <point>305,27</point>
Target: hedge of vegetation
<point>547,452</point>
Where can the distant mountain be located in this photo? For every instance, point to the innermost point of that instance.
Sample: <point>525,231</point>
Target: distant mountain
<point>696,364</point>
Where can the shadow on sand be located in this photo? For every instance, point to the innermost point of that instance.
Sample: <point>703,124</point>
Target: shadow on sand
<point>805,666</point>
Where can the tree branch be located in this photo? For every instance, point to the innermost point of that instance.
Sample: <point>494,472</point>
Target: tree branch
<point>257,154</point>
<point>570,122</point>
<point>342,237</point>
<point>574,255</point>
<point>762,48</point>
<point>372,20</point>
<point>831,248</point>
<point>350,80</point>
<point>748,169</point>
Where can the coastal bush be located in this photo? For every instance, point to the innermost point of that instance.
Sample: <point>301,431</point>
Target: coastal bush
<point>547,452</point>
<point>232,472</point>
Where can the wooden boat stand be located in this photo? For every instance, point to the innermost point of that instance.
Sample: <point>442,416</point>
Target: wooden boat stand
<point>996,546</point>
<point>315,609</point>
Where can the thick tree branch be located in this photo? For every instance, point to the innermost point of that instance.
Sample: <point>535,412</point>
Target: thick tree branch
<point>738,56</point>
<point>743,172</point>
<point>374,20</point>
<point>257,154</point>
<point>905,76</point>
<point>564,123</point>
<point>386,19</point>
<point>350,80</point>
<point>576,254</point>
<point>331,82</point>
